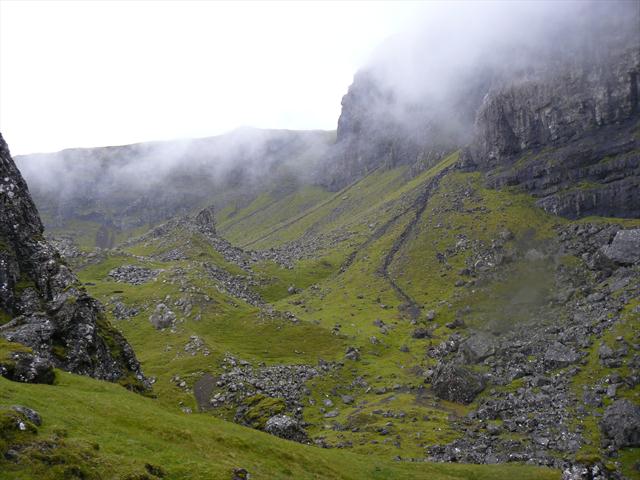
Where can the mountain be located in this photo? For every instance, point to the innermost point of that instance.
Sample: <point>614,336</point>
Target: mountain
<point>101,193</point>
<point>449,288</point>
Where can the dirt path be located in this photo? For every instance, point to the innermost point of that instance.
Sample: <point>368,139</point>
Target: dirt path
<point>420,206</point>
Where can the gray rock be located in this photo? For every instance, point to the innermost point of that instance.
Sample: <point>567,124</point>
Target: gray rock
<point>478,347</point>
<point>347,399</point>
<point>32,415</point>
<point>456,383</point>
<point>162,317</point>
<point>240,474</point>
<point>133,274</point>
<point>206,220</point>
<point>352,353</point>
<point>421,332</point>
<point>559,355</point>
<point>621,424</point>
<point>286,427</point>
<point>625,247</point>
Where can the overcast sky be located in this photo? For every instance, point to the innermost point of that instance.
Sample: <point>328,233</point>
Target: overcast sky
<point>107,73</point>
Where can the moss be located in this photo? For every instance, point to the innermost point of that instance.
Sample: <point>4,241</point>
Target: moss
<point>5,317</point>
<point>23,283</point>
<point>15,429</point>
<point>59,351</point>
<point>261,408</point>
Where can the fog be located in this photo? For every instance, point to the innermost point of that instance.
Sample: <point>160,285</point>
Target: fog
<point>132,185</point>
<point>421,87</point>
<point>457,51</point>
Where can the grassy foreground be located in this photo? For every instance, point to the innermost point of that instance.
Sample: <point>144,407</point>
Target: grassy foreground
<point>93,429</point>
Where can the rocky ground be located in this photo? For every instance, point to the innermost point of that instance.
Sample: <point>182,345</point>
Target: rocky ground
<point>540,421</point>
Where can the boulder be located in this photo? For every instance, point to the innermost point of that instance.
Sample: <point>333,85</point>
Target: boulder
<point>32,415</point>
<point>206,221</point>
<point>456,383</point>
<point>162,317</point>
<point>558,355</point>
<point>478,347</point>
<point>620,424</point>
<point>625,247</point>
<point>286,427</point>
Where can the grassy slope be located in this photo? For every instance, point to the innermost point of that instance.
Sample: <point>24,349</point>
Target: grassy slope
<point>112,433</point>
<point>228,325</point>
<point>353,299</point>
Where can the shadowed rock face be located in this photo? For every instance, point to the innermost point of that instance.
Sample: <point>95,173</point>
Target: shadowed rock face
<point>43,305</point>
<point>564,127</point>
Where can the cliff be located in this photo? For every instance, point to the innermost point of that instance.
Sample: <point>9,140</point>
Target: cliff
<point>42,304</point>
<point>557,118</point>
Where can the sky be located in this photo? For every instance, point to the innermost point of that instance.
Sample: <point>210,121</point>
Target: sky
<point>88,74</point>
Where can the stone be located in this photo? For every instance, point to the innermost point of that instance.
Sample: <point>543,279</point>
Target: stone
<point>347,399</point>
<point>352,353</point>
<point>240,474</point>
<point>456,383</point>
<point>625,247</point>
<point>620,424</point>
<point>32,415</point>
<point>133,274</point>
<point>286,427</point>
<point>477,347</point>
<point>559,355</point>
<point>421,332</point>
<point>206,220</point>
<point>162,317</point>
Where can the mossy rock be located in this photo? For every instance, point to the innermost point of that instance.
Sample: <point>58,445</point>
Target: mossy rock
<point>256,410</point>
<point>15,428</point>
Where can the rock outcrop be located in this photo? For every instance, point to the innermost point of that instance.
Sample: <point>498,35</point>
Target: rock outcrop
<point>621,424</point>
<point>206,220</point>
<point>560,123</point>
<point>42,303</point>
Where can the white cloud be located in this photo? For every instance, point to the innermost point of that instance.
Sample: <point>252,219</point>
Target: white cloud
<point>105,73</point>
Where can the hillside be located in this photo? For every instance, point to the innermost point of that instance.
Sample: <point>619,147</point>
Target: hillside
<point>447,287</point>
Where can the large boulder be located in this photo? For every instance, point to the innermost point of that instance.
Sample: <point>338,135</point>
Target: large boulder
<point>478,347</point>
<point>162,317</point>
<point>206,220</point>
<point>456,383</point>
<point>559,355</point>
<point>286,427</point>
<point>625,247</point>
<point>620,424</point>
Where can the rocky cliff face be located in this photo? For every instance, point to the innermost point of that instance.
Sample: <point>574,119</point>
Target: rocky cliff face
<point>559,119</point>
<point>568,134</point>
<point>42,304</point>
<point>378,129</point>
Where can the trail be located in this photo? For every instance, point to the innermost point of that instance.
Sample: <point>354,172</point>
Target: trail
<point>420,206</point>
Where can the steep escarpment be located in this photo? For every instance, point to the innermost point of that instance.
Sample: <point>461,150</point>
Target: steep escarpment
<point>42,304</point>
<point>378,128</point>
<point>557,117</point>
<point>569,134</point>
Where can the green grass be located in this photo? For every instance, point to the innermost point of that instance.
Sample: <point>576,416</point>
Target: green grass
<point>342,292</point>
<point>94,430</point>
